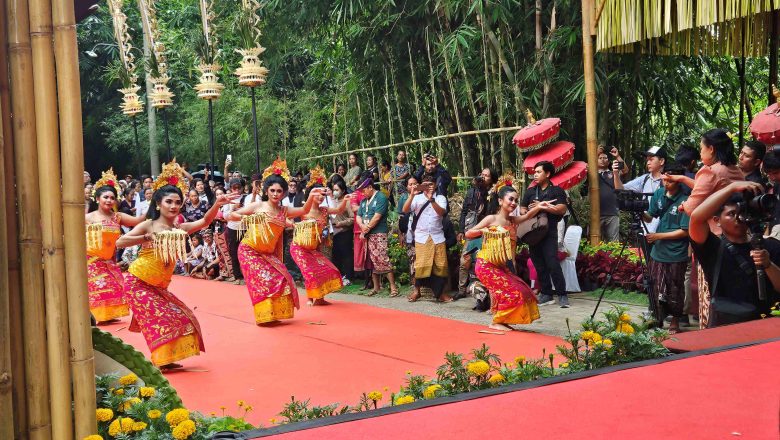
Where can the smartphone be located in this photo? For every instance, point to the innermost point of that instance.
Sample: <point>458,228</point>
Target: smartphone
<point>230,158</point>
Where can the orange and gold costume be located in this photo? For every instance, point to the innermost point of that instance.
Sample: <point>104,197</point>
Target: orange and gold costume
<point>106,286</point>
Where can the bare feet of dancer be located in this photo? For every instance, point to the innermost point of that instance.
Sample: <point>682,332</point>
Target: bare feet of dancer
<point>171,366</point>
<point>310,302</point>
<point>321,302</point>
<point>500,327</point>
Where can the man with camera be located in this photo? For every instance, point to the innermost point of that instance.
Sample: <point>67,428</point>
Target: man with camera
<point>669,254</point>
<point>647,183</point>
<point>432,167</point>
<point>473,211</point>
<point>729,262</point>
<point>610,220</point>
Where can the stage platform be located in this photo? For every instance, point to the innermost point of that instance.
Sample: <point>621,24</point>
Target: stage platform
<point>720,395</point>
<point>743,333</point>
<point>327,353</point>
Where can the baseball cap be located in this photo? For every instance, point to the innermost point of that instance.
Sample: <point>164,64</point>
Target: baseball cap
<point>659,152</point>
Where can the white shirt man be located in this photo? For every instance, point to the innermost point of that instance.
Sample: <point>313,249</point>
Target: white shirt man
<point>649,182</point>
<point>429,223</point>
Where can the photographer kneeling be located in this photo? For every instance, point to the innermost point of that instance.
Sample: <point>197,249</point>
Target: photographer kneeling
<point>728,262</point>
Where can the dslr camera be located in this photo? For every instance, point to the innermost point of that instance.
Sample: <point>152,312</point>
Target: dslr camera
<point>632,201</point>
<point>756,208</point>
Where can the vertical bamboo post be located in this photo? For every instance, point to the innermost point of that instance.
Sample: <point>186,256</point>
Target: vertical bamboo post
<point>397,104</point>
<point>389,112</point>
<point>47,135</point>
<point>12,250</point>
<point>29,212</point>
<point>472,105</point>
<point>433,94</point>
<point>6,367</point>
<point>773,43</point>
<point>416,99</point>
<point>488,113</point>
<point>590,121</point>
<point>72,152</point>
<point>464,153</point>
<point>333,129</point>
<point>374,118</point>
<point>151,111</point>
<point>360,121</point>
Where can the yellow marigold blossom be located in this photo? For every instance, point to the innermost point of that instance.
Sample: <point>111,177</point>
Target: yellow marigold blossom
<point>607,343</point>
<point>519,360</point>
<point>375,395</point>
<point>273,421</point>
<point>564,365</point>
<point>93,437</point>
<point>478,368</point>
<point>240,403</point>
<point>184,430</point>
<point>122,425</point>
<point>213,414</point>
<point>127,404</point>
<point>386,389</point>
<point>510,365</point>
<point>625,328</point>
<point>625,317</point>
<point>409,372</point>
<point>586,335</point>
<point>430,392</point>
<point>496,378</point>
<point>154,414</point>
<point>130,379</point>
<point>404,400</point>
<point>147,391</point>
<point>120,392</point>
<point>177,416</point>
<point>596,337</point>
<point>139,426</point>
<point>104,414</point>
<point>248,408</point>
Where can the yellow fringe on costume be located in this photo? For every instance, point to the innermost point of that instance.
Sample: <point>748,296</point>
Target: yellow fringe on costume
<point>307,234</point>
<point>324,289</point>
<point>170,246</point>
<point>274,309</point>
<point>107,313</point>
<point>176,350</point>
<point>95,236</point>
<point>496,246</point>
<point>258,231</point>
<point>525,314</point>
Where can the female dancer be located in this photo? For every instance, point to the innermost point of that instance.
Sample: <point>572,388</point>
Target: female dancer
<point>319,274</point>
<point>106,286</point>
<point>271,288</point>
<point>512,301</point>
<point>170,328</point>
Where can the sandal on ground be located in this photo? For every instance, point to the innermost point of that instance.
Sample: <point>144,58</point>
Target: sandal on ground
<point>394,293</point>
<point>414,297</point>
<point>447,299</point>
<point>372,293</point>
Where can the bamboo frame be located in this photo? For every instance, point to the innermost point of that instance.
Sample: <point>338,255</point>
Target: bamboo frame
<point>47,135</point>
<point>433,92</point>
<point>29,212</point>
<point>414,141</point>
<point>72,153</point>
<point>6,366</point>
<point>14,276</point>
<point>590,123</point>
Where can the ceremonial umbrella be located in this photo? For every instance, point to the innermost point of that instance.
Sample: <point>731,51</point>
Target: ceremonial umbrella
<point>560,153</point>
<point>570,176</point>
<point>537,134</point>
<point>766,124</point>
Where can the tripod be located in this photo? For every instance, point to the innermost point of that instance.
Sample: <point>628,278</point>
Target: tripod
<point>636,237</point>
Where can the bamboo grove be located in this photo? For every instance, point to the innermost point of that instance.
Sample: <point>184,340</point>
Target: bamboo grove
<point>360,74</point>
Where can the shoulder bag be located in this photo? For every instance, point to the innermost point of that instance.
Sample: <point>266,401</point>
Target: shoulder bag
<point>534,230</point>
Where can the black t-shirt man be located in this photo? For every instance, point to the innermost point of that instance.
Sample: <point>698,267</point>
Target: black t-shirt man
<point>553,194</point>
<point>607,197</point>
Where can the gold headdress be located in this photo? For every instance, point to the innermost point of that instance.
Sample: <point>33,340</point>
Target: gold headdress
<point>505,180</point>
<point>279,167</point>
<point>317,177</point>
<point>107,179</point>
<point>172,174</point>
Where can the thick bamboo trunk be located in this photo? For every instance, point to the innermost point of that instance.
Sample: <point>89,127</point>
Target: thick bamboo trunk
<point>590,122</point>
<point>51,217</point>
<point>72,152</point>
<point>29,211</point>
<point>12,250</point>
<point>6,367</point>
<point>547,87</point>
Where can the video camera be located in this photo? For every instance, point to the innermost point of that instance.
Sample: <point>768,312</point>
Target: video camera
<point>754,209</point>
<point>632,201</point>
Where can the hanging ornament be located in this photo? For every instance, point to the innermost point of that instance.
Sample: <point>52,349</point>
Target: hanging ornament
<point>209,87</point>
<point>251,73</point>
<point>131,104</point>
<point>161,96</point>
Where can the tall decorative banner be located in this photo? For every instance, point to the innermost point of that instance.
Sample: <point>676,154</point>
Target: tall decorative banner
<point>131,103</point>
<point>157,66</point>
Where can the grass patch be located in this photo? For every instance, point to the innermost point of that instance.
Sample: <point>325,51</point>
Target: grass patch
<point>354,289</point>
<point>621,296</point>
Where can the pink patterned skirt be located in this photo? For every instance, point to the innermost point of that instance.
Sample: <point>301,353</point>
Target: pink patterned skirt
<point>320,276</point>
<point>511,300</point>
<point>106,290</point>
<point>271,288</point>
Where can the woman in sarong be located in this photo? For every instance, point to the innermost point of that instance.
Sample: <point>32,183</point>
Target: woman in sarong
<point>271,288</point>
<point>169,327</point>
<point>106,286</point>
<point>320,275</point>
<point>512,301</point>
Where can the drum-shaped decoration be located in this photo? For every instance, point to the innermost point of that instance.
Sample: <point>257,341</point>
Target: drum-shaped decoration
<point>537,134</point>
<point>570,176</point>
<point>560,153</point>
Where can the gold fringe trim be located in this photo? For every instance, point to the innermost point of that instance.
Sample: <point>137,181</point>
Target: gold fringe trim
<point>170,246</point>
<point>256,226</point>
<point>95,236</point>
<point>496,246</point>
<point>307,234</point>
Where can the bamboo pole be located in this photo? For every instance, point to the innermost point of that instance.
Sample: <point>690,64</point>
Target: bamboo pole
<point>374,118</point>
<point>433,92</point>
<point>416,98</point>
<point>11,231</point>
<point>488,113</point>
<point>72,153</point>
<point>498,93</point>
<point>590,122</point>
<point>464,152</point>
<point>360,120</point>
<point>47,135</point>
<point>29,212</point>
<point>6,366</point>
<point>427,139</point>
<point>389,112</point>
<point>397,102</point>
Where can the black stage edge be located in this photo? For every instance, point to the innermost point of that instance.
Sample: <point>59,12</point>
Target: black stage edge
<point>326,421</point>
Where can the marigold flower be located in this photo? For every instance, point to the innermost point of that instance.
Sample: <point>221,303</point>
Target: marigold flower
<point>184,430</point>
<point>122,425</point>
<point>213,414</point>
<point>130,379</point>
<point>430,392</point>
<point>272,421</point>
<point>154,414</point>
<point>375,395</point>
<point>403,400</point>
<point>127,404</point>
<point>510,365</point>
<point>104,414</point>
<point>519,360</point>
<point>93,437</point>
<point>496,379</point>
<point>625,317</point>
<point>478,368</point>
<point>586,335</point>
<point>386,389</point>
<point>240,403</point>
<point>120,392</point>
<point>177,416</point>
<point>564,365</point>
<point>147,391</point>
<point>596,337</point>
<point>409,372</point>
<point>139,426</point>
<point>607,343</point>
<point>625,328</point>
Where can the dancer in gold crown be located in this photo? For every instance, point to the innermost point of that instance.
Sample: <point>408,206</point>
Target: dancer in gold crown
<point>170,328</point>
<point>270,285</point>
<point>512,301</point>
<point>320,276</point>
<point>106,285</point>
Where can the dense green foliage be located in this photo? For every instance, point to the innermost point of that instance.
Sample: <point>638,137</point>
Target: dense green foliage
<point>347,74</point>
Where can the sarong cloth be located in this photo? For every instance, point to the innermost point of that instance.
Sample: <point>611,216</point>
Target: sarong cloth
<point>377,252</point>
<point>512,301</point>
<point>105,282</point>
<point>320,275</point>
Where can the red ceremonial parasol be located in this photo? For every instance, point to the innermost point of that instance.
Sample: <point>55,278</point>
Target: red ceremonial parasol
<point>560,153</point>
<point>537,134</point>
<point>570,176</point>
<point>766,124</point>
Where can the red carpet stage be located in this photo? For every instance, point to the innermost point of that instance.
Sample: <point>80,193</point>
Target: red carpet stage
<point>357,349</point>
<point>726,395</point>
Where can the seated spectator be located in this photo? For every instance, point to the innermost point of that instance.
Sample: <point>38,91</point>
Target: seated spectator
<point>729,291</point>
<point>142,207</point>
<point>194,208</point>
<point>210,256</point>
<point>195,260</point>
